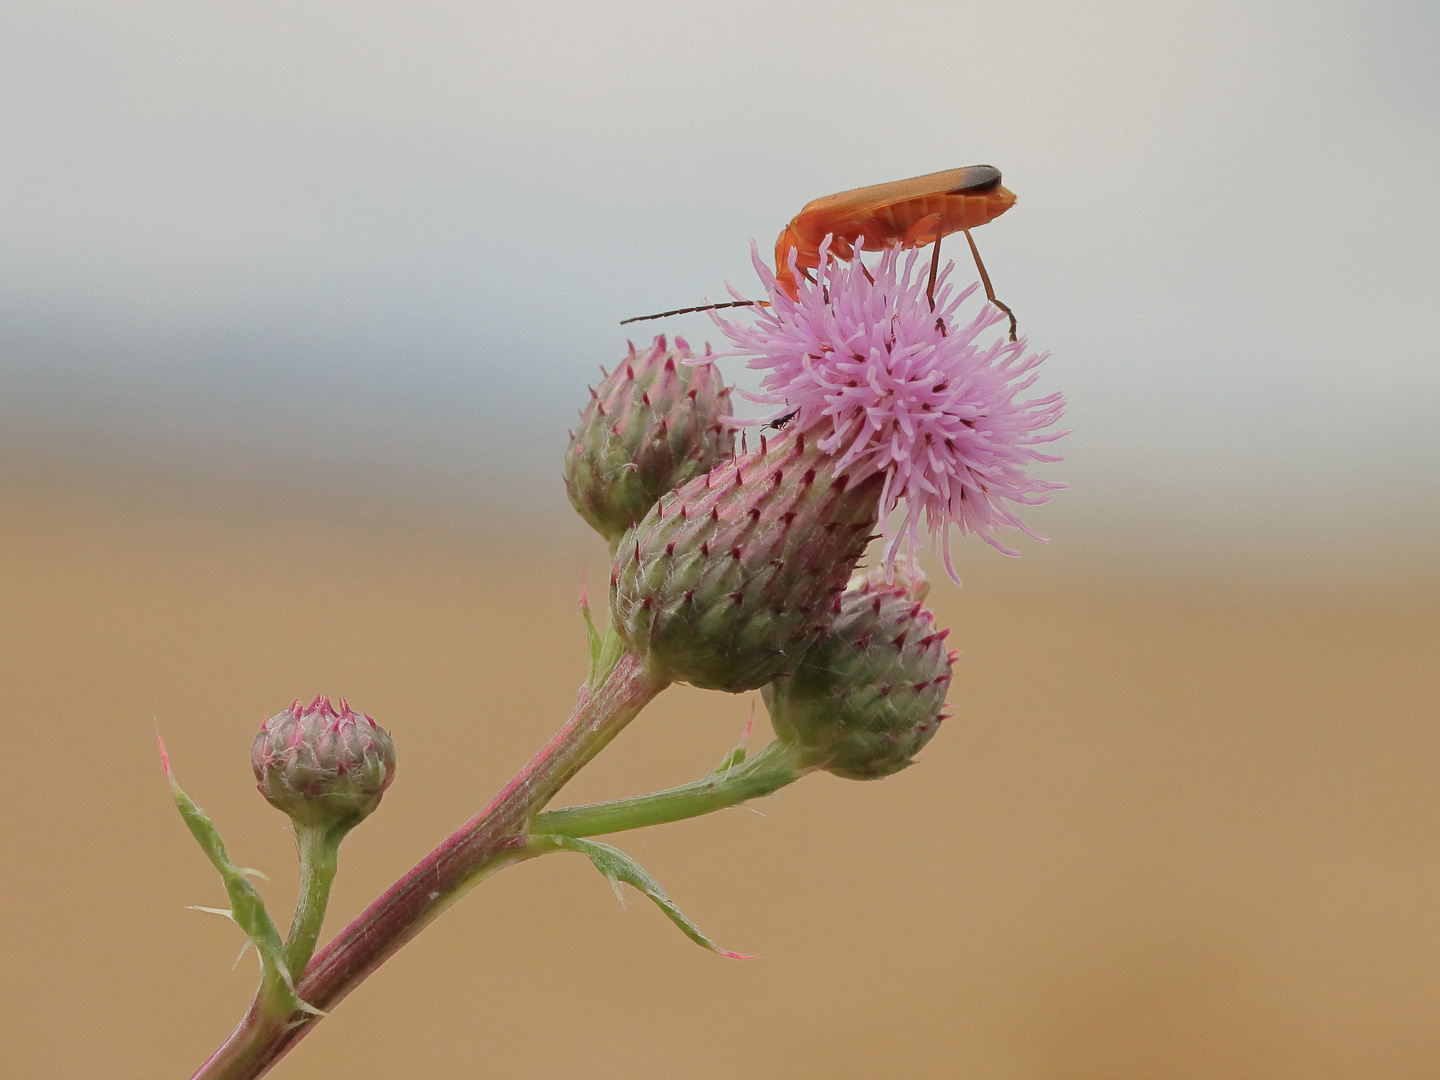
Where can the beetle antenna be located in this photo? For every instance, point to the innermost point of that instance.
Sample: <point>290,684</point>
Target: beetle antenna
<point>985,278</point>
<point>702,307</point>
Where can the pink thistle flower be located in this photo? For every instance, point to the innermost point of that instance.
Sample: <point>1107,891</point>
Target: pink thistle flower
<point>890,385</point>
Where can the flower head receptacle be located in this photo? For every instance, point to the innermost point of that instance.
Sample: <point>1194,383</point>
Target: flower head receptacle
<point>651,425</point>
<point>732,576</point>
<point>869,694</point>
<point>322,765</point>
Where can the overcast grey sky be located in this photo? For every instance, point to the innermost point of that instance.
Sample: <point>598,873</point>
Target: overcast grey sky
<point>385,244</point>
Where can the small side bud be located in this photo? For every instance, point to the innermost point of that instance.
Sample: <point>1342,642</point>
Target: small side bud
<point>652,425</point>
<point>321,765</point>
<point>868,696</point>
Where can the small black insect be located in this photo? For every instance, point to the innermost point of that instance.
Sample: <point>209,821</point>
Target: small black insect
<point>781,422</point>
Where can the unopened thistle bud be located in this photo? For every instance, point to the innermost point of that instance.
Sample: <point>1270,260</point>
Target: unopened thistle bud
<point>323,765</point>
<point>651,425</point>
<point>730,578</point>
<point>865,699</point>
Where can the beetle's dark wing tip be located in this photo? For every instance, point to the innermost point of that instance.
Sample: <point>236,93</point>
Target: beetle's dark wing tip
<point>977,178</point>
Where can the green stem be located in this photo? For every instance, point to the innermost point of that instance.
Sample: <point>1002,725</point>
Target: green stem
<point>768,771</point>
<point>319,857</point>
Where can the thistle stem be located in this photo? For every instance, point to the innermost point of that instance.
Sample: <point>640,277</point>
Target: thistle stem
<point>768,771</point>
<point>319,858</point>
<point>494,838</point>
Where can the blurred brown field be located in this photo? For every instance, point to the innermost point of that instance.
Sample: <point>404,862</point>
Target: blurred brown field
<point>1182,826</point>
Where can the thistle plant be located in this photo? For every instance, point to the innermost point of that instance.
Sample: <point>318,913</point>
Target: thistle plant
<point>731,570</point>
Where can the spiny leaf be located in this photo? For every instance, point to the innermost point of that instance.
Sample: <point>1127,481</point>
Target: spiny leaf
<point>247,907</point>
<point>619,867</point>
<point>606,648</point>
<point>591,634</point>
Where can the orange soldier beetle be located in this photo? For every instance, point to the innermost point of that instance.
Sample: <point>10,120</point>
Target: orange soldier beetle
<point>905,213</point>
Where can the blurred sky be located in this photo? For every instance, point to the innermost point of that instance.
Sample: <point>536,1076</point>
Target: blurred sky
<point>379,248</point>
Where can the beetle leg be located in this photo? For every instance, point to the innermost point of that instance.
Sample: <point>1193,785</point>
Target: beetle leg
<point>920,231</point>
<point>985,279</point>
<point>930,289</point>
<point>934,270</point>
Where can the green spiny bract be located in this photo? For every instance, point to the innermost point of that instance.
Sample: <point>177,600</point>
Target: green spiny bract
<point>730,578</point>
<point>865,698</point>
<point>323,766</point>
<point>652,424</point>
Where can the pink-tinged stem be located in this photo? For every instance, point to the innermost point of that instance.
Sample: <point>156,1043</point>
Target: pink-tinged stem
<point>494,838</point>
